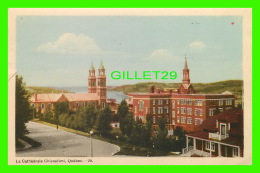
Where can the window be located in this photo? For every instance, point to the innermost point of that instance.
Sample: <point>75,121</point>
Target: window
<point>178,101</point>
<point>178,110</point>
<point>173,114</point>
<point>220,103</point>
<point>153,110</point>
<point>166,102</point>
<point>197,102</point>
<point>189,111</point>
<point>220,109</point>
<point>235,152</point>
<point>173,104</point>
<point>165,110</point>
<point>189,102</point>
<point>211,112</point>
<point>42,106</point>
<point>183,110</point>
<point>49,105</point>
<point>159,102</point>
<point>229,102</point>
<point>154,119</point>
<point>160,110</point>
<point>198,112</point>
<point>178,119</point>
<point>198,121</point>
<point>77,104</point>
<point>141,105</point>
<point>189,120</point>
<point>173,122</point>
<point>146,110</point>
<point>183,120</point>
<point>154,102</point>
<point>83,103</point>
<point>208,146</point>
<point>103,105</point>
<point>183,101</point>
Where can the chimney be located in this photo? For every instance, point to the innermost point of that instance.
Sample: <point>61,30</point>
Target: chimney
<point>158,90</point>
<point>35,97</point>
<point>152,89</point>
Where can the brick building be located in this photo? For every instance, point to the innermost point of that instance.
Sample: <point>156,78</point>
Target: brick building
<point>181,107</point>
<point>97,94</point>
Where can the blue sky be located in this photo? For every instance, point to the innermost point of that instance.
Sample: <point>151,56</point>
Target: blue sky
<point>58,50</point>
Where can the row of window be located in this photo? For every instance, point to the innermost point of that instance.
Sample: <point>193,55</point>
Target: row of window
<point>161,110</point>
<point>77,104</point>
<point>181,102</point>
<point>188,111</point>
<point>188,120</point>
<point>228,102</point>
<point>167,119</point>
<point>160,102</point>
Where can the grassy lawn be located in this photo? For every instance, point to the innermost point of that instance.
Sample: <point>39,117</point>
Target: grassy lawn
<point>125,149</point>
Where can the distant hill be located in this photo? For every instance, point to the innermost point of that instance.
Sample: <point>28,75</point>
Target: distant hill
<point>42,90</point>
<point>234,86</point>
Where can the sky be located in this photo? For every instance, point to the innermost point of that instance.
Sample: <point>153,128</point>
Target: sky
<point>58,50</point>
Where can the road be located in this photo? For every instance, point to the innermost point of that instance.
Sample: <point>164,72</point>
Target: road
<point>60,143</point>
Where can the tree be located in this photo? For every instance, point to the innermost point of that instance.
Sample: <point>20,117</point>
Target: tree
<point>160,139</point>
<point>60,108</point>
<point>104,119</point>
<point>141,133</point>
<point>122,112</point>
<point>90,117</point>
<point>23,110</point>
<point>128,123</point>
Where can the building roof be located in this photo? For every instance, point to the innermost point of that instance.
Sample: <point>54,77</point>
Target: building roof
<point>231,116</point>
<point>81,96</point>
<point>45,97</point>
<point>69,96</point>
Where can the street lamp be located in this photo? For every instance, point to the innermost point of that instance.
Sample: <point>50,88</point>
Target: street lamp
<point>91,147</point>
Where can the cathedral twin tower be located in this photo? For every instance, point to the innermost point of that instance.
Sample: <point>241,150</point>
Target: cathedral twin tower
<point>98,85</point>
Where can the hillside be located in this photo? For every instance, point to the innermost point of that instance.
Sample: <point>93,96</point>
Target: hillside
<point>41,90</point>
<point>234,86</point>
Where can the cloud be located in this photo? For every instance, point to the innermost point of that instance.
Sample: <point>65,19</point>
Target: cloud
<point>197,45</point>
<point>161,54</point>
<point>70,43</point>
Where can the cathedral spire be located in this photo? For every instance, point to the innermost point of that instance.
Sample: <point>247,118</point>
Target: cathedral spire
<point>186,64</point>
<point>91,67</point>
<point>101,65</point>
<point>186,73</point>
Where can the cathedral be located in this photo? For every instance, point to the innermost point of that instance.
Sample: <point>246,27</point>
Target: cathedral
<point>96,95</point>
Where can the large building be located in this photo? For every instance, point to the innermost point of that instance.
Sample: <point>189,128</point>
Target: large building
<point>181,107</point>
<point>97,94</point>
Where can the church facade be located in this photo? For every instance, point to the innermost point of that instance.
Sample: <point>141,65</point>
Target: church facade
<point>96,95</point>
<point>180,107</point>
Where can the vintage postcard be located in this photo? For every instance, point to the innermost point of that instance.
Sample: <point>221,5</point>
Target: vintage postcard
<point>130,86</point>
